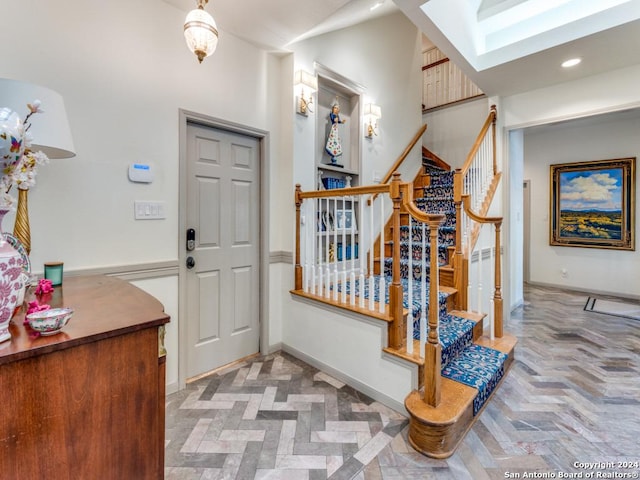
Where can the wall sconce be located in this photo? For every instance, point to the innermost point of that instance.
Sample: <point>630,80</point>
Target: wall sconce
<point>302,80</point>
<point>372,113</point>
<point>201,32</point>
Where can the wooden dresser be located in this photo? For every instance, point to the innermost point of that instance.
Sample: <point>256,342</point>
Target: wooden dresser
<point>87,403</point>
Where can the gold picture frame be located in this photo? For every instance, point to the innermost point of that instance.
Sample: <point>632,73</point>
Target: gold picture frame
<point>593,204</point>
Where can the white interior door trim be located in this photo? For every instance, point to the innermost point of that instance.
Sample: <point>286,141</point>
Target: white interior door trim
<point>186,116</point>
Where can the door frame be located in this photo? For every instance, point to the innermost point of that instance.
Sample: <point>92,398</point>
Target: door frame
<point>186,116</point>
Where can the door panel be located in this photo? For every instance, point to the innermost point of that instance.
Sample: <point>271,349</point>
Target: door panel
<point>209,216</point>
<point>223,207</point>
<point>209,321</point>
<point>242,290</point>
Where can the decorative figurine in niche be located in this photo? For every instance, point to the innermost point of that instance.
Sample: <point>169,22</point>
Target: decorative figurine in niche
<point>334,143</point>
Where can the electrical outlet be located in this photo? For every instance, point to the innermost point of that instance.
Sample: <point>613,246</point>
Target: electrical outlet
<point>564,273</point>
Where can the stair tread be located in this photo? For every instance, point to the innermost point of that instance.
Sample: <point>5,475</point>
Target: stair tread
<point>479,367</point>
<point>473,316</point>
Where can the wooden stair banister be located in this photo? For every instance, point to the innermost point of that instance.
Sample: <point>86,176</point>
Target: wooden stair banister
<point>298,267</point>
<point>395,289</point>
<point>489,122</point>
<point>395,314</point>
<point>432,348</point>
<point>400,159</point>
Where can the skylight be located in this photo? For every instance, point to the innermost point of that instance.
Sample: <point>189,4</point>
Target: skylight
<point>492,32</point>
<point>535,17</point>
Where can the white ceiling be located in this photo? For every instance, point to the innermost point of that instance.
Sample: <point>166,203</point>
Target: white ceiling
<point>504,46</point>
<point>273,24</point>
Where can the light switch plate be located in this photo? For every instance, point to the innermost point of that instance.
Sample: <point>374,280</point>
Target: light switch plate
<point>148,210</point>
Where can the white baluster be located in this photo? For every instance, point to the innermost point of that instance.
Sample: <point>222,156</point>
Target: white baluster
<point>320,249</point>
<point>344,251</point>
<point>352,250</point>
<point>314,239</point>
<point>327,289</point>
<point>423,294</point>
<point>304,253</point>
<point>410,290</point>
<point>480,239</point>
<point>371,255</point>
<point>361,256</point>
<point>382,287</point>
<point>469,256</point>
<point>336,277</point>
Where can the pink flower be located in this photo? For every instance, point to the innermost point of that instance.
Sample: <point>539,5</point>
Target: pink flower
<point>35,307</point>
<point>44,286</point>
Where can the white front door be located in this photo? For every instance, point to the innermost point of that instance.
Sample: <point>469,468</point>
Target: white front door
<point>223,195</point>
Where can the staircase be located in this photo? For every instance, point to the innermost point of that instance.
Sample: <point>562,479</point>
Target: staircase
<point>459,366</point>
<point>466,357</point>
<point>462,360</point>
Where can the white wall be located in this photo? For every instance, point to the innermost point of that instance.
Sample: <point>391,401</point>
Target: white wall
<point>451,131</point>
<point>124,71</point>
<point>123,81</point>
<point>384,56</point>
<point>597,270</point>
<point>166,288</point>
<point>609,92</point>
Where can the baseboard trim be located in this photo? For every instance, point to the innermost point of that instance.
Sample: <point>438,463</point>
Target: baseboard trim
<point>274,348</point>
<point>585,290</point>
<point>352,382</point>
<point>281,256</point>
<point>172,387</point>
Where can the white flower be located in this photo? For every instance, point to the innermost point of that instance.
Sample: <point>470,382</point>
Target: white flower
<point>35,107</point>
<point>21,170</point>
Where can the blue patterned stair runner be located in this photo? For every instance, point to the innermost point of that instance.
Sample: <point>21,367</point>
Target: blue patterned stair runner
<point>479,367</point>
<point>462,360</point>
<point>474,365</point>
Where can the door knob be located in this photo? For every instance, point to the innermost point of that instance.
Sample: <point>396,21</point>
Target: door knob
<point>190,263</point>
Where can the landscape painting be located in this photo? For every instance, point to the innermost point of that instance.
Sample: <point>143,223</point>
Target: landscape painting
<point>593,204</point>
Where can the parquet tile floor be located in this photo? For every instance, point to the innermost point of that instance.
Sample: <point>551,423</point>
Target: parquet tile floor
<point>568,408</point>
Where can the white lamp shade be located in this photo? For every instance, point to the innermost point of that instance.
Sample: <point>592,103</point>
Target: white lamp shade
<point>50,129</point>
<point>302,79</point>
<point>201,33</point>
<point>372,111</point>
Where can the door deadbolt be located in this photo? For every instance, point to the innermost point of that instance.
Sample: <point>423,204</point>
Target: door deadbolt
<point>191,240</point>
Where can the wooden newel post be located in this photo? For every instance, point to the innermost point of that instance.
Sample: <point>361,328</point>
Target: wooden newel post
<point>497,296</point>
<point>433,349</point>
<point>298,267</point>
<point>396,328</point>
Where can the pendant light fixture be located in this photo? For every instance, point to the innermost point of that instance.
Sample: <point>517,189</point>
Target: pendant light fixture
<point>201,32</point>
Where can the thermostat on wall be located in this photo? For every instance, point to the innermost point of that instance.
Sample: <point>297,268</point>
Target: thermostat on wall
<point>141,173</point>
